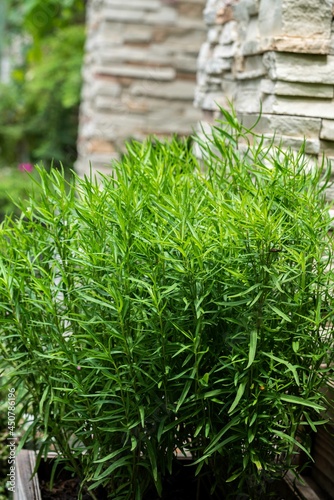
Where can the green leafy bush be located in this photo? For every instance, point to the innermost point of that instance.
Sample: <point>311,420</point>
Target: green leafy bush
<point>39,106</point>
<point>178,304</point>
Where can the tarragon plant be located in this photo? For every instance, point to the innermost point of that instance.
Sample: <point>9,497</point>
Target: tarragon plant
<point>180,303</point>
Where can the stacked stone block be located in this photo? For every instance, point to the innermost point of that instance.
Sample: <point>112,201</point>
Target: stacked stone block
<point>277,55</point>
<point>139,74</point>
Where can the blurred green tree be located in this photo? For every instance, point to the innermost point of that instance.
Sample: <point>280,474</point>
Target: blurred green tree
<point>39,106</point>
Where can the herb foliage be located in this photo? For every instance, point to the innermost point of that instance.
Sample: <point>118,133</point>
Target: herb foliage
<point>178,303</point>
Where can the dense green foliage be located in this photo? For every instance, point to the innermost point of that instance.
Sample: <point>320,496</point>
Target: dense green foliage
<point>14,185</point>
<point>3,443</point>
<point>43,17</point>
<point>39,107</point>
<point>174,306</point>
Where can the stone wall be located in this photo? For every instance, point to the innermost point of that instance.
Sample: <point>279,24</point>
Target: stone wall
<point>139,74</point>
<point>279,53</point>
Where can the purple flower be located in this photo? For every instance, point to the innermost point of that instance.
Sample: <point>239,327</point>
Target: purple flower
<point>78,367</point>
<point>26,167</point>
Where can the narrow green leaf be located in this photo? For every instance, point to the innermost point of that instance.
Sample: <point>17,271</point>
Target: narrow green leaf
<point>300,401</point>
<point>280,313</point>
<point>234,476</point>
<point>240,392</point>
<point>254,417</point>
<point>161,428</point>
<point>250,435</point>
<point>44,396</point>
<point>184,394</point>
<point>153,460</point>
<point>116,465</point>
<point>257,462</point>
<point>211,394</point>
<point>110,456</point>
<point>99,301</point>
<point>252,348</point>
<point>205,380</point>
<point>290,367</point>
<point>142,415</point>
<point>216,441</point>
<point>198,429</point>
<point>292,441</point>
<point>295,346</point>
<point>218,446</point>
<point>133,443</point>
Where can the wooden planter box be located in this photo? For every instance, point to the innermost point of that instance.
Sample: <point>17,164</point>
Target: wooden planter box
<point>318,484</point>
<point>26,488</point>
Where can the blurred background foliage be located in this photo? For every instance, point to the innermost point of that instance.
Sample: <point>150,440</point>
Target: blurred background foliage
<point>41,51</point>
<point>42,42</point>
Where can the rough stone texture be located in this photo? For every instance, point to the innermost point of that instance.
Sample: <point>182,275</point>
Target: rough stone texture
<point>140,71</point>
<point>295,89</point>
<point>307,68</point>
<point>289,126</point>
<point>276,56</point>
<point>301,18</point>
<point>307,18</point>
<point>327,130</point>
<point>139,74</point>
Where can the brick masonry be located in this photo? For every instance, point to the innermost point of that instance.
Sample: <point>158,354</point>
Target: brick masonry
<point>139,74</point>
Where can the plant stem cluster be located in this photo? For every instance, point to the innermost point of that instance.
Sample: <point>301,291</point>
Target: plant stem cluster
<point>175,304</point>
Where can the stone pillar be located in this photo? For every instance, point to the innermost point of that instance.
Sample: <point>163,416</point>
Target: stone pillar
<point>139,74</point>
<point>279,53</point>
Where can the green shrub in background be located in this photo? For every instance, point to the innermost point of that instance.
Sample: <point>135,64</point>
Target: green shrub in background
<point>39,106</point>
<point>174,306</point>
<point>15,186</point>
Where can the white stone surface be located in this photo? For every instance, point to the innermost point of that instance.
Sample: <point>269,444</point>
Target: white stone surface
<point>252,67</point>
<point>224,51</point>
<point>211,9</point>
<point>229,33</point>
<point>299,106</point>
<point>327,130</point>
<point>289,126</point>
<point>312,146</point>
<point>304,18</point>
<point>307,18</point>
<point>248,96</point>
<point>134,4</point>
<point>218,66</point>
<point>270,18</point>
<point>176,90</point>
<point>295,89</point>
<point>300,67</point>
<point>281,62</point>
<point>148,72</point>
<point>139,74</point>
<point>204,55</point>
